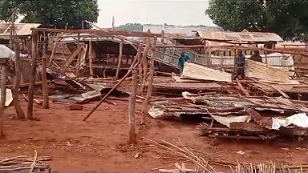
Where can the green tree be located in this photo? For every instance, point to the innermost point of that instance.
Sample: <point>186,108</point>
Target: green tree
<point>288,18</point>
<point>130,27</point>
<point>53,13</point>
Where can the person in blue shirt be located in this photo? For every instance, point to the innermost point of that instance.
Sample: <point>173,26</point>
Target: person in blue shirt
<point>240,65</point>
<point>182,59</point>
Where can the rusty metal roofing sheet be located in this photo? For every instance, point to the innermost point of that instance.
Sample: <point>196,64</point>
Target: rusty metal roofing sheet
<point>22,29</point>
<point>240,36</point>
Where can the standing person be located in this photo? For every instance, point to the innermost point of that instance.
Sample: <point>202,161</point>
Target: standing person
<point>256,57</point>
<point>182,59</point>
<point>240,65</point>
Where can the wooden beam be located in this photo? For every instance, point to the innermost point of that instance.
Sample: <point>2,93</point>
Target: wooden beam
<point>70,59</point>
<point>3,97</point>
<point>132,105</point>
<point>33,70</point>
<point>99,32</point>
<point>119,59</point>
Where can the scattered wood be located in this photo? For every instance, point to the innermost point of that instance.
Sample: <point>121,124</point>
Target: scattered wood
<point>75,107</point>
<point>134,65</point>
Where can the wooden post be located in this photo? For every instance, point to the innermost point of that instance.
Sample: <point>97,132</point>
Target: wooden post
<point>33,70</point>
<point>20,113</point>
<point>119,59</point>
<point>132,102</point>
<point>265,53</point>
<point>79,59</point>
<point>144,61</point>
<point>150,84</point>
<point>3,97</point>
<point>90,57</point>
<point>163,37</point>
<point>45,83</point>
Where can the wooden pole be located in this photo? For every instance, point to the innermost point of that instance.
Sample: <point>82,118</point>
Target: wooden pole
<point>79,58</point>
<point>33,70</point>
<point>3,97</point>
<point>20,113</point>
<point>119,59</point>
<point>144,61</point>
<point>45,83</point>
<point>150,85</point>
<point>135,64</point>
<point>91,57</point>
<point>132,104</point>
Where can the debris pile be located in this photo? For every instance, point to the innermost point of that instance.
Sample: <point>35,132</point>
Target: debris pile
<point>22,163</point>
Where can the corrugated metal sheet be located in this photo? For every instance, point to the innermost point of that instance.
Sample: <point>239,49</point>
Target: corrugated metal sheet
<point>240,37</point>
<point>22,29</point>
<point>182,30</point>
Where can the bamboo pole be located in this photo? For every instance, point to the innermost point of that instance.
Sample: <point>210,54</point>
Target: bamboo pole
<point>150,85</point>
<point>3,97</point>
<point>91,57</point>
<point>32,79</point>
<point>135,64</point>
<point>45,83</point>
<point>132,104</point>
<point>119,59</point>
<point>20,113</point>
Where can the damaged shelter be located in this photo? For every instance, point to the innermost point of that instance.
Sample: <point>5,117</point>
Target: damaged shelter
<point>91,65</point>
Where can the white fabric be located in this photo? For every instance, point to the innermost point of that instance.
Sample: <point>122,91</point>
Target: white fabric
<point>6,52</point>
<point>300,120</point>
<point>8,98</point>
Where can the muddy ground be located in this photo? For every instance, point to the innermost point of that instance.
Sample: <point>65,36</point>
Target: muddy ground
<point>101,143</point>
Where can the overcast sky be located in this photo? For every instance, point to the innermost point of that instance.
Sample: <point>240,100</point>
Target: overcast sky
<point>172,12</point>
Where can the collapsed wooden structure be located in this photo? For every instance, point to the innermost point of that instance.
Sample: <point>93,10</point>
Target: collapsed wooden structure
<point>90,56</point>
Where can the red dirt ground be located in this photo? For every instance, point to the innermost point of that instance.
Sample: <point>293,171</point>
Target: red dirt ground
<point>100,143</point>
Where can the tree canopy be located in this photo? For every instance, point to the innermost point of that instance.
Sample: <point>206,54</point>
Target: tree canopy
<point>288,18</point>
<point>53,13</point>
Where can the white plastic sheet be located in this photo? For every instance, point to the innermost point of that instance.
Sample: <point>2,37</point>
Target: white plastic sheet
<point>228,120</point>
<point>300,120</point>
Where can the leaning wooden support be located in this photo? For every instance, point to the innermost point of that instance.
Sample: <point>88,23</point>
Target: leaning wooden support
<point>119,59</point>
<point>45,83</point>
<point>135,64</point>
<point>150,85</point>
<point>33,70</point>
<point>20,113</point>
<point>132,104</point>
<point>3,97</point>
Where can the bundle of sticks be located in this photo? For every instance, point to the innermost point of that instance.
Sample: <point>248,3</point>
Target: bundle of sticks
<point>22,163</point>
